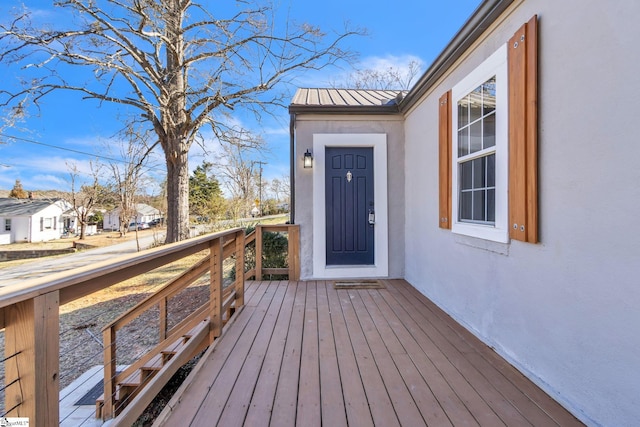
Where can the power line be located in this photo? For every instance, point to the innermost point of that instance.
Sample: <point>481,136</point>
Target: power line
<point>74,151</point>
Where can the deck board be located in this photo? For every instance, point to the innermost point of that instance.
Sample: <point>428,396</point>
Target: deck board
<point>226,378</point>
<point>355,399</point>
<point>456,351</point>
<point>286,401</point>
<point>261,403</point>
<point>306,354</point>
<point>237,404</point>
<point>309,410</point>
<point>383,411</point>
<point>333,406</point>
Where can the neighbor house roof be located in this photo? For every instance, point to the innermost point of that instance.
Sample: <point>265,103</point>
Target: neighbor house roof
<point>145,209</point>
<point>142,209</point>
<point>346,100</point>
<point>10,206</point>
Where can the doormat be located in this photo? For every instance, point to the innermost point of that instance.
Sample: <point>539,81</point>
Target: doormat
<point>92,395</point>
<point>358,284</point>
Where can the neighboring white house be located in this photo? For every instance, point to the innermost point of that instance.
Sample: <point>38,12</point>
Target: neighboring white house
<point>31,220</point>
<point>144,213</point>
<point>504,186</point>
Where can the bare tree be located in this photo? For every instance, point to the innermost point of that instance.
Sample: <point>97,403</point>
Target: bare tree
<point>280,189</point>
<point>238,175</point>
<point>179,65</point>
<point>389,78</point>
<point>86,193</point>
<point>134,150</point>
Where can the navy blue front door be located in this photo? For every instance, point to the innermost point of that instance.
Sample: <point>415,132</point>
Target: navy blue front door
<point>350,214</point>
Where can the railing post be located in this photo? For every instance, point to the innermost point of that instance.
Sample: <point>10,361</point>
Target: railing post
<point>109,342</point>
<point>215,284</point>
<point>32,338</point>
<point>258,252</point>
<point>293,248</point>
<point>239,269</point>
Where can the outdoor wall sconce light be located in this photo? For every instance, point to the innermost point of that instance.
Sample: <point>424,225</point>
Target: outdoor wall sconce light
<point>308,160</point>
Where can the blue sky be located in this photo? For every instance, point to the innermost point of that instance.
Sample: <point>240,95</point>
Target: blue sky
<point>397,33</point>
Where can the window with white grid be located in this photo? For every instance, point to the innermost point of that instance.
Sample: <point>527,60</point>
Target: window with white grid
<point>479,151</point>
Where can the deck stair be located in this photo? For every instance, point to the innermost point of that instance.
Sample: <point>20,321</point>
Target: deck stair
<point>156,360</point>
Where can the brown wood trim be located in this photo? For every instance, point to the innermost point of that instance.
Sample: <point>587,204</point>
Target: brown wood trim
<point>444,147</point>
<point>284,270</point>
<point>523,198</point>
<point>532,130</point>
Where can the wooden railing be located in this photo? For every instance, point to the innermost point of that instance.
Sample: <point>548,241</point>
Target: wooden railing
<point>30,313</point>
<point>123,391</point>
<point>293,251</point>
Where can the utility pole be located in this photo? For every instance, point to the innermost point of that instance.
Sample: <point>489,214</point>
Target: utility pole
<point>260,186</point>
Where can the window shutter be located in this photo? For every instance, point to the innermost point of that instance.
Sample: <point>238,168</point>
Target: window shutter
<point>523,133</point>
<point>444,141</point>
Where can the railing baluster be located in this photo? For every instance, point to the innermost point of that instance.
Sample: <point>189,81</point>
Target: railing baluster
<point>258,252</point>
<point>163,318</point>
<point>239,269</point>
<point>109,340</point>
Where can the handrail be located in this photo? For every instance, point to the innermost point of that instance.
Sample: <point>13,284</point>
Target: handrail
<point>76,283</point>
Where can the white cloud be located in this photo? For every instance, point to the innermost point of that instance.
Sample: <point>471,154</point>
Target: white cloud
<point>380,63</point>
<point>45,182</point>
<point>333,77</point>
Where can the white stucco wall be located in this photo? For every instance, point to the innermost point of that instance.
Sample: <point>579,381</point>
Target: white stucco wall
<point>306,127</point>
<point>565,311</point>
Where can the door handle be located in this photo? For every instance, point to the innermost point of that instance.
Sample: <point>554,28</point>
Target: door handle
<point>372,217</point>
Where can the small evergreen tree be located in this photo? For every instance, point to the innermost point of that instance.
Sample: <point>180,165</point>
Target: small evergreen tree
<point>205,195</point>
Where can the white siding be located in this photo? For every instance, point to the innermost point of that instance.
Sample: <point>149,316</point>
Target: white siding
<point>564,311</point>
<point>52,216</point>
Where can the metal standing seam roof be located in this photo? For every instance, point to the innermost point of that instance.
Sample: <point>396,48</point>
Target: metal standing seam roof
<point>346,99</point>
<point>23,207</point>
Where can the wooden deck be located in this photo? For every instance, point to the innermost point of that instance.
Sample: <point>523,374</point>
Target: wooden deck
<point>307,354</point>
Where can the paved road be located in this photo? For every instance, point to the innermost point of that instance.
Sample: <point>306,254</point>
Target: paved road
<point>44,266</point>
